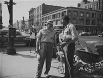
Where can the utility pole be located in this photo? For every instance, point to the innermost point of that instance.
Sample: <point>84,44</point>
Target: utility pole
<point>12,31</point>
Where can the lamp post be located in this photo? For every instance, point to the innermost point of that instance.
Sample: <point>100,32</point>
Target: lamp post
<point>12,31</point>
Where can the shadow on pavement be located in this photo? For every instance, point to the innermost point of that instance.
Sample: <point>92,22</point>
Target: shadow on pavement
<point>26,56</point>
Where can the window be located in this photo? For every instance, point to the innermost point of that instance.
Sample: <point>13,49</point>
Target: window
<point>93,15</point>
<point>81,13</point>
<point>88,14</point>
<point>93,22</point>
<point>69,12</point>
<point>45,18</point>
<point>81,20</point>
<point>63,13</point>
<point>75,13</point>
<point>99,15</point>
<point>53,16</point>
<point>74,21</point>
<point>87,21</point>
<point>42,19</point>
<point>99,22</point>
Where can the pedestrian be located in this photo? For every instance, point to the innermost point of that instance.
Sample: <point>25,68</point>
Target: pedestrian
<point>70,36</point>
<point>33,37</point>
<point>44,48</point>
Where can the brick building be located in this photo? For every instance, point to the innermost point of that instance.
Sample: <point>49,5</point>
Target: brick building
<point>35,14</point>
<point>96,4</point>
<point>84,19</point>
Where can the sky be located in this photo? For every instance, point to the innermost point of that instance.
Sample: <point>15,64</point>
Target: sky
<point>22,8</point>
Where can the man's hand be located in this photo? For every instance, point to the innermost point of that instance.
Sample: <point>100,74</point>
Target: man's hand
<point>37,51</point>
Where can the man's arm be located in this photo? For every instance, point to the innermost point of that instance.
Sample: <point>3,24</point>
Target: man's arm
<point>74,34</point>
<point>38,41</point>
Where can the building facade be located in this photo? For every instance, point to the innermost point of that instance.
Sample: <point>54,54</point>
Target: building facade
<point>22,25</point>
<point>83,19</point>
<point>96,4</point>
<point>35,14</point>
<point>0,15</point>
<point>31,16</point>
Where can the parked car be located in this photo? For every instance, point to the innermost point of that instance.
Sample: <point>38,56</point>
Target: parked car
<point>84,34</point>
<point>20,39</point>
<point>100,34</point>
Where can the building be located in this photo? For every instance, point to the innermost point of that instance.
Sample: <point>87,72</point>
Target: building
<point>31,16</point>
<point>35,14</point>
<point>82,3</point>
<point>20,25</point>
<point>83,19</point>
<point>16,25</point>
<point>96,4</point>
<point>0,15</point>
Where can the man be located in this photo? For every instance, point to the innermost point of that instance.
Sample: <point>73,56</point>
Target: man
<point>44,48</point>
<point>70,36</point>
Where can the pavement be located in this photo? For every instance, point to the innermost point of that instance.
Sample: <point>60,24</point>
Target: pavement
<point>23,65</point>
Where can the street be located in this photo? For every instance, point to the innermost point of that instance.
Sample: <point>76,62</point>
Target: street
<point>24,63</point>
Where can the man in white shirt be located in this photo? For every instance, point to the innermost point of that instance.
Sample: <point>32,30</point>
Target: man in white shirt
<point>70,36</point>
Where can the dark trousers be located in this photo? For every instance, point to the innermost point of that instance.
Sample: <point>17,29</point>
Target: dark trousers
<point>46,52</point>
<point>70,49</point>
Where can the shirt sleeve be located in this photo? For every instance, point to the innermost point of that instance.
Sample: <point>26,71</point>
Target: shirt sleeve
<point>73,32</point>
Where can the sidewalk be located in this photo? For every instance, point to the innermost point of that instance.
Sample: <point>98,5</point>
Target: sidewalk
<point>23,65</point>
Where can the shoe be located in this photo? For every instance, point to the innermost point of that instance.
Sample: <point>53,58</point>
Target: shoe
<point>46,75</point>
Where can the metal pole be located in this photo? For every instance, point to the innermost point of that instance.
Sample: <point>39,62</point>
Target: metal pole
<point>12,31</point>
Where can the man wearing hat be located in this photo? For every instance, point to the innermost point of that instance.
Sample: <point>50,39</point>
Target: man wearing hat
<point>70,36</point>
<point>44,48</point>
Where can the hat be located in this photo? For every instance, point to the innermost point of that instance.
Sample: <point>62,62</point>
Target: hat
<point>49,22</point>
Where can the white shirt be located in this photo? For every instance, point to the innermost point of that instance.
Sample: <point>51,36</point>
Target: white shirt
<point>33,36</point>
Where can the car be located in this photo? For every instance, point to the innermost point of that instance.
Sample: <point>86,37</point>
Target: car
<point>100,34</point>
<point>20,39</point>
<point>84,34</point>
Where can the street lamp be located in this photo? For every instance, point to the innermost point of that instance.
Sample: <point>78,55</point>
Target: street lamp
<point>12,31</point>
